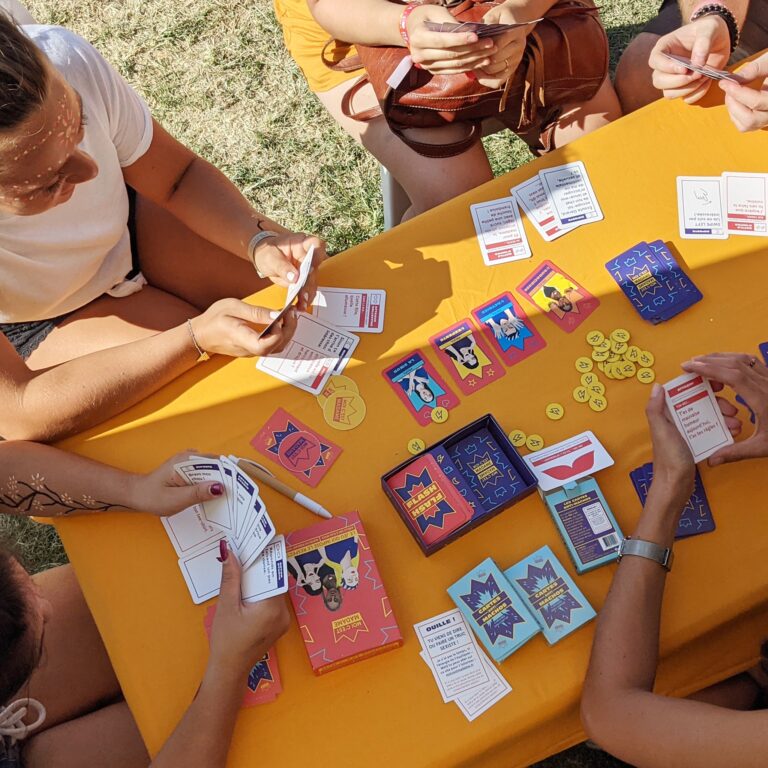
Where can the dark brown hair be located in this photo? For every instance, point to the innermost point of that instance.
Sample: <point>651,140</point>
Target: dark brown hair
<point>18,654</point>
<point>23,78</point>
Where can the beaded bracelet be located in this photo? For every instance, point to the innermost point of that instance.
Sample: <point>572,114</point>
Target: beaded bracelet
<point>407,11</point>
<point>715,9</point>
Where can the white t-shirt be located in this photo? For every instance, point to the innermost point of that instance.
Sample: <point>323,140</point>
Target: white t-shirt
<point>60,260</point>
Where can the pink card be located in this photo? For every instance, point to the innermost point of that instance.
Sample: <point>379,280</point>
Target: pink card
<point>466,357</point>
<point>508,330</point>
<point>295,447</point>
<point>264,682</point>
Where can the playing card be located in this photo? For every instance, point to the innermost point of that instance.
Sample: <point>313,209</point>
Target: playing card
<point>202,572</point>
<point>507,328</point>
<point>559,296</point>
<point>534,201</point>
<point>189,530</point>
<point>571,195</point>
<point>481,698</point>
<point>316,351</point>
<point>268,576</point>
<point>703,69</point>
<point>466,357</point>
<point>746,203</point>
<point>694,410</point>
<point>700,208</point>
<point>568,461</point>
<point>206,471</point>
<point>351,309</point>
<point>418,385</point>
<point>256,535</point>
<point>294,289</point>
<point>296,447</point>
<point>480,29</point>
<point>500,232</point>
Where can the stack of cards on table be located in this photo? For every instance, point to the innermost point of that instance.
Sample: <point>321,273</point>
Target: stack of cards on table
<point>714,207</point>
<point>653,281</point>
<point>240,516</point>
<point>697,416</point>
<point>461,670</point>
<point>263,684</point>
<point>696,516</point>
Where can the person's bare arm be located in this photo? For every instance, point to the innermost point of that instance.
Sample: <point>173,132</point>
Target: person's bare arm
<point>619,709</point>
<point>738,8</point>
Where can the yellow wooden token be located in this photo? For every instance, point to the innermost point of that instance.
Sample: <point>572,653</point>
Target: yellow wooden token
<point>439,414</point>
<point>555,411</point>
<point>588,379</point>
<point>344,410</point>
<point>580,394</point>
<point>334,384</point>
<point>416,445</point>
<point>633,353</point>
<point>617,372</point>
<point>604,344</point>
<point>584,364</point>
<point>613,357</point>
<point>628,368</point>
<point>601,366</point>
<point>598,403</point>
<point>600,354</point>
<point>619,334</point>
<point>595,337</point>
<point>608,370</point>
<point>534,442</point>
<point>646,375</point>
<point>619,347</point>
<point>596,389</point>
<point>646,359</point>
<point>517,437</point>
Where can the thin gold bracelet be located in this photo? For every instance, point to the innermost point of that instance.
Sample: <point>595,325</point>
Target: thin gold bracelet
<point>202,354</point>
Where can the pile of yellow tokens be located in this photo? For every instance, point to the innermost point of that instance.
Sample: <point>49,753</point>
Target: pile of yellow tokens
<point>614,356</point>
<point>343,407</point>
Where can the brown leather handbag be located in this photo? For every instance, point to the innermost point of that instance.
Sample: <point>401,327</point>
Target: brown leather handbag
<point>565,62</point>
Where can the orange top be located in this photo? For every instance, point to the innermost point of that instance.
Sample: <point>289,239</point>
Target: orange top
<point>387,710</point>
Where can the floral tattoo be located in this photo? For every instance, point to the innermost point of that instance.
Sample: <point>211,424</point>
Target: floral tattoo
<point>35,497</point>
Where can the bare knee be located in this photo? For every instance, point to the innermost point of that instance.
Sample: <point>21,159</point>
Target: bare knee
<point>633,82</point>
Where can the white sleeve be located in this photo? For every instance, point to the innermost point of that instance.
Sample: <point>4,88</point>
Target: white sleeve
<point>17,12</point>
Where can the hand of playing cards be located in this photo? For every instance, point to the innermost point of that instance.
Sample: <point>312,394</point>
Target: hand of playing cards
<point>480,29</point>
<point>240,516</point>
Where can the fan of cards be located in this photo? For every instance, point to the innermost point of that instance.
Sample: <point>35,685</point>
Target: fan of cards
<point>240,516</point>
<point>704,69</point>
<point>480,29</point>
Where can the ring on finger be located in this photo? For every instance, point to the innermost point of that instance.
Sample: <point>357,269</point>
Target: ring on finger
<point>752,362</point>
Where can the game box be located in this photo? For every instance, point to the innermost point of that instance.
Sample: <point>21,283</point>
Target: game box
<point>336,592</point>
<point>458,483</point>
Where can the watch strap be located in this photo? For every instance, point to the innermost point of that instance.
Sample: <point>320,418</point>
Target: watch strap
<point>647,549</point>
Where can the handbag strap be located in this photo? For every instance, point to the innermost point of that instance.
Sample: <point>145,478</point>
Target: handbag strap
<point>346,64</point>
<point>365,115</point>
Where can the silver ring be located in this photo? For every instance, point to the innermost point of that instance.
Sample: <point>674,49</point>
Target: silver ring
<point>753,362</point>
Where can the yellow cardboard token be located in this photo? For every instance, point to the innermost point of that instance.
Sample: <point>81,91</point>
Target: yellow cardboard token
<point>601,366</point>
<point>416,445</point>
<point>588,379</point>
<point>632,354</point>
<point>534,442</point>
<point>595,337</point>
<point>628,368</point>
<point>555,411</point>
<point>600,355</point>
<point>335,384</point>
<point>596,389</point>
<point>598,403</point>
<point>583,364</point>
<point>439,414</point>
<point>646,375</point>
<point>580,395</point>
<point>617,372</point>
<point>619,347</point>
<point>608,370</point>
<point>613,357</point>
<point>619,334</point>
<point>344,410</point>
<point>517,437</point>
<point>646,359</point>
<point>604,344</point>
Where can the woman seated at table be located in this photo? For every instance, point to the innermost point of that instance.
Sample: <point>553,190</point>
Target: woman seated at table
<point>83,336</point>
<point>53,663</point>
<point>307,25</point>
<point>718,727</point>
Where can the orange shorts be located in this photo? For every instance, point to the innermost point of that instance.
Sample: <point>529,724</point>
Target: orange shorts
<point>304,39</point>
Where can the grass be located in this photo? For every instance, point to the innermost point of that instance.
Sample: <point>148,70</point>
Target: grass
<point>216,75</point>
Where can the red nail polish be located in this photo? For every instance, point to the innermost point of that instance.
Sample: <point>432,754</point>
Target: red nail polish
<point>217,489</point>
<point>223,551</point>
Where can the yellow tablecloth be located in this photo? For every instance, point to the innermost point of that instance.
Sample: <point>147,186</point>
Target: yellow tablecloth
<point>386,711</point>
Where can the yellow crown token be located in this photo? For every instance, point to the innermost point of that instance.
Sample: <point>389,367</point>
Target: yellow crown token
<point>598,403</point>
<point>584,364</point>
<point>600,355</point>
<point>646,375</point>
<point>619,334</point>
<point>534,442</point>
<point>632,354</point>
<point>555,411</point>
<point>580,395</point>
<point>596,389</point>
<point>604,344</point>
<point>646,359</point>
<point>595,337</point>
<point>619,347</point>
<point>416,445</point>
<point>628,368</point>
<point>439,414</point>
<point>344,410</point>
<point>588,379</point>
<point>517,437</point>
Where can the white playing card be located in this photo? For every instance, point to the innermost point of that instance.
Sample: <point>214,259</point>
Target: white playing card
<point>204,470</point>
<point>351,309</point>
<point>534,201</point>
<point>571,195</point>
<point>256,538</point>
<point>247,504</point>
<point>316,352</point>
<point>481,698</point>
<point>268,576</point>
<point>202,573</point>
<point>694,410</point>
<point>746,203</point>
<point>700,208</point>
<point>500,232</point>
<point>294,289</point>
<point>189,530</point>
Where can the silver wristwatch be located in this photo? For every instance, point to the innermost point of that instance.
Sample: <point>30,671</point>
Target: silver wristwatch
<point>647,549</point>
